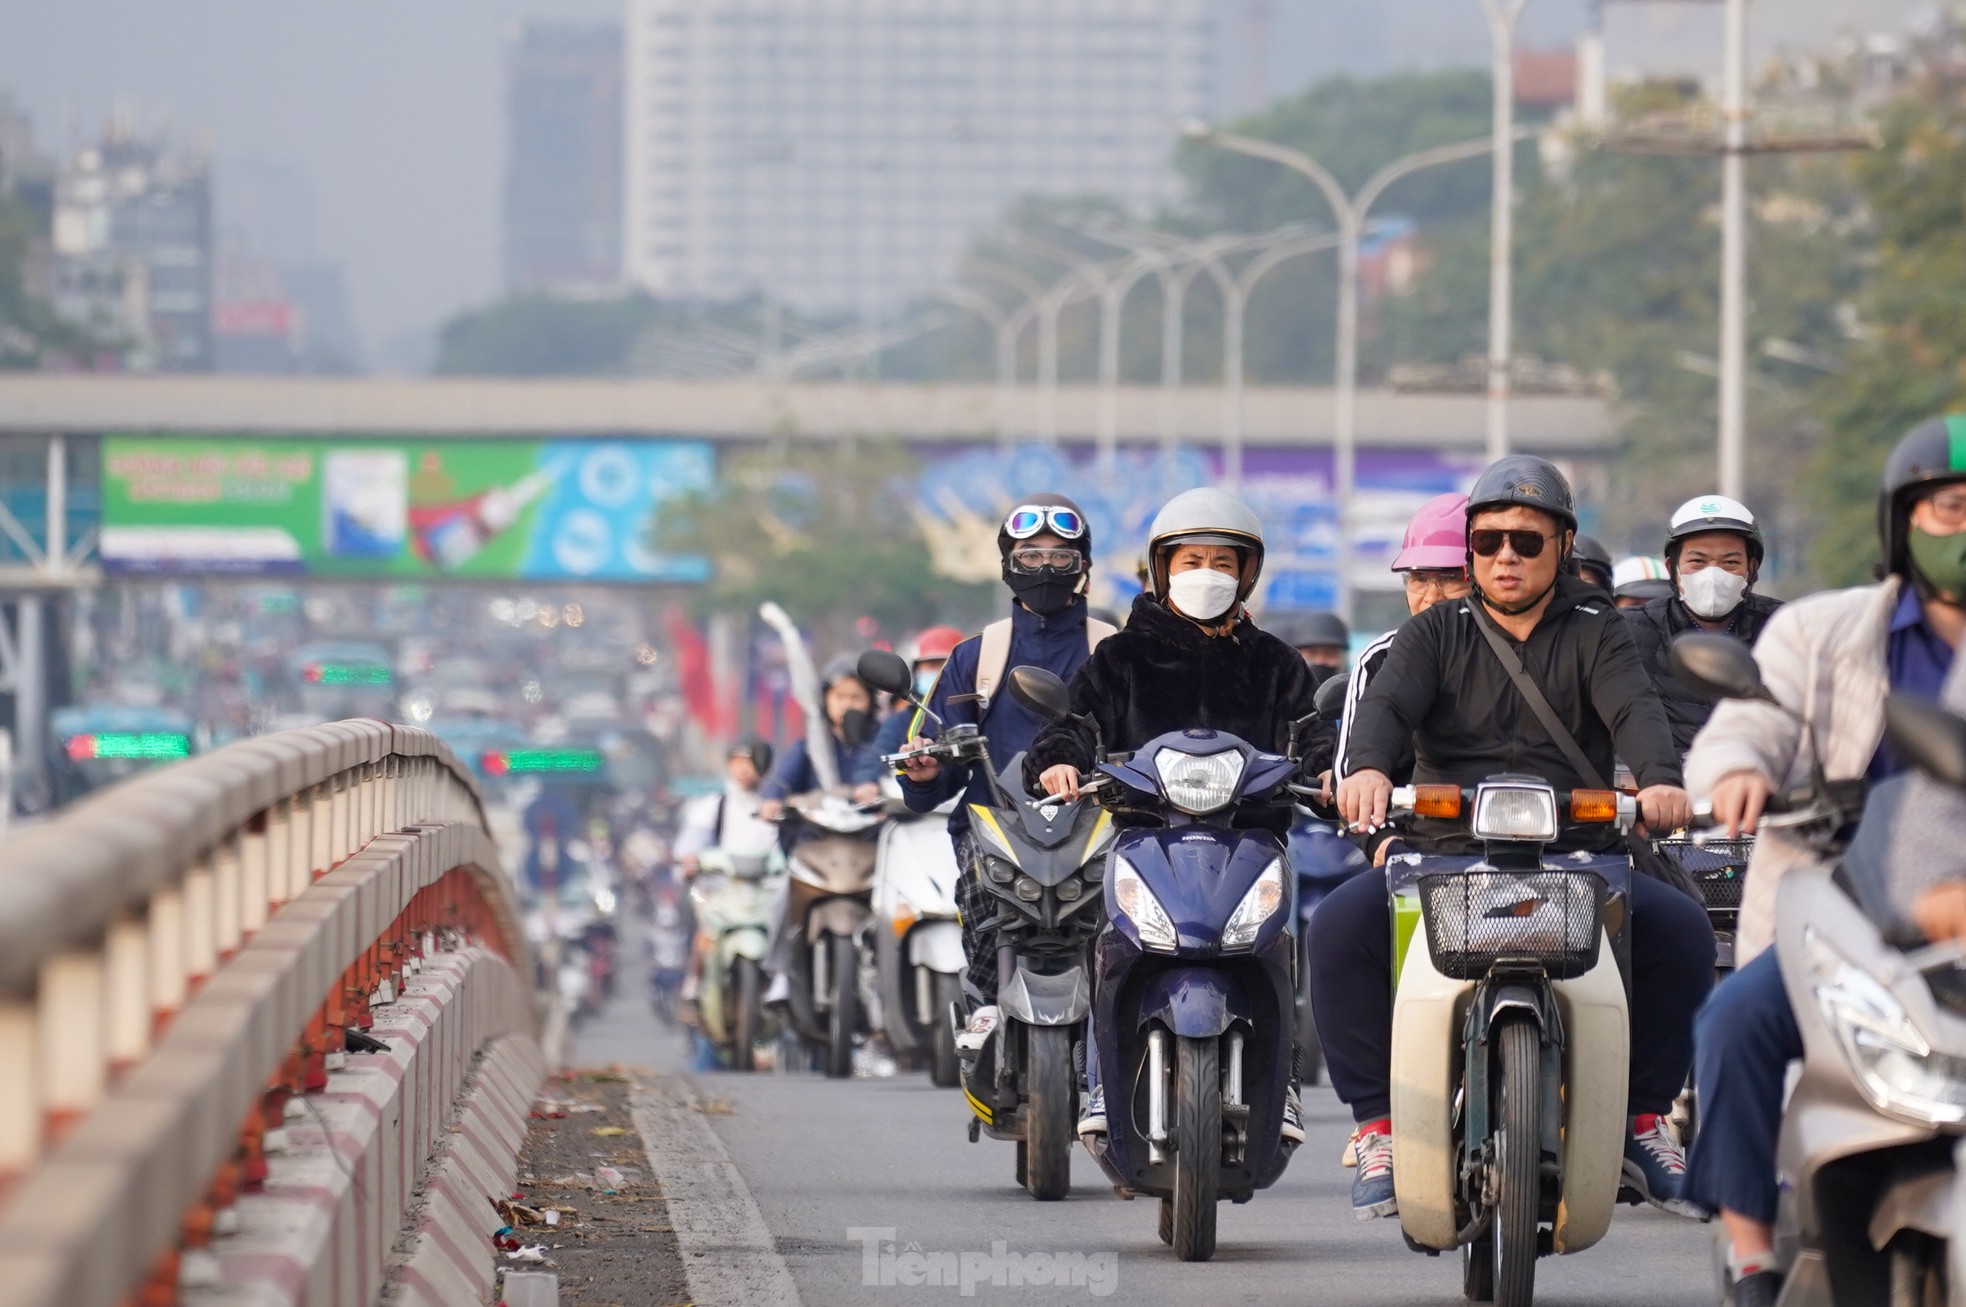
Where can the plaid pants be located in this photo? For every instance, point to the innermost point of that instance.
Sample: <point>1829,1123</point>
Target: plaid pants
<point>976,907</point>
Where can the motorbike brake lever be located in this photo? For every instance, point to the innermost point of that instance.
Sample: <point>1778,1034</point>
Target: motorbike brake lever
<point>1937,957</point>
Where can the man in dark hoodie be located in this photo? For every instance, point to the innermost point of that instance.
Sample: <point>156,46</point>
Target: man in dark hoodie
<point>1189,658</point>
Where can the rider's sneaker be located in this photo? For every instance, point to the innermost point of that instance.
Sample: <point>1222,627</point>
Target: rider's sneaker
<point>779,992</point>
<point>1293,1117</point>
<point>1092,1118</point>
<point>1655,1166</point>
<point>1752,1282</point>
<point>972,1037</point>
<point>1372,1187</point>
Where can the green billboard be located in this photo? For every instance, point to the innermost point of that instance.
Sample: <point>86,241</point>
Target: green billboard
<point>488,509</point>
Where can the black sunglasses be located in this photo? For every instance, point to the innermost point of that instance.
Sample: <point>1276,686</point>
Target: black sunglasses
<point>1488,543</point>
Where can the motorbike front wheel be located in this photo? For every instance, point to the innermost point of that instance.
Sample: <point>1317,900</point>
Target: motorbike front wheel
<point>1197,1147</point>
<point>845,1014</point>
<point>944,1068</point>
<point>747,1022</point>
<point>1311,1069</point>
<point>1517,1159</point>
<point>1048,1119</point>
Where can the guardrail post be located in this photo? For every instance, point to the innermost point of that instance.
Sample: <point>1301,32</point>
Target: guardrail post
<point>285,876</point>
<point>256,895</point>
<point>320,803</point>
<point>200,933</point>
<point>165,952</point>
<point>69,1013</point>
<point>227,889</point>
<point>128,985</point>
<point>340,819</point>
<point>20,1099</point>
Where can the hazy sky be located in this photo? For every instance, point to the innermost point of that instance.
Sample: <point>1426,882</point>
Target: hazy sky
<point>373,132</point>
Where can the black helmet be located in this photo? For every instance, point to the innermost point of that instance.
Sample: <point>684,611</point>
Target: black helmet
<point>1526,481</point>
<point>1714,513</point>
<point>1930,454</point>
<point>1045,512</point>
<point>1589,551</point>
<point>1316,629</point>
<point>842,668</point>
<point>758,751</point>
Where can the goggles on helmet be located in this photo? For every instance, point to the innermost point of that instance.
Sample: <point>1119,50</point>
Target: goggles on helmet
<point>1030,519</point>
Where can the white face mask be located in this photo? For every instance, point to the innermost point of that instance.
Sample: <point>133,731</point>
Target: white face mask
<point>1712,592</point>
<point>1203,594</point>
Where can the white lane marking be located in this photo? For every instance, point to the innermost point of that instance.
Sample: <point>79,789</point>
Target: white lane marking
<point>728,1251</point>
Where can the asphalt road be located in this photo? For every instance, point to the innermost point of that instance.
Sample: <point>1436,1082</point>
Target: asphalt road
<point>851,1176</point>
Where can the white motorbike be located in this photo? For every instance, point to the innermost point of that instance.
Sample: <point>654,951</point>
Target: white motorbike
<point>918,942</point>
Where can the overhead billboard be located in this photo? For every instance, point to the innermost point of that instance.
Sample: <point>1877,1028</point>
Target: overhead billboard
<point>563,510</point>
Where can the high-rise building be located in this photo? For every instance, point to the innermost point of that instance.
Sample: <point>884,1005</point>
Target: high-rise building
<point>840,154</point>
<point>133,249</point>
<point>563,158</point>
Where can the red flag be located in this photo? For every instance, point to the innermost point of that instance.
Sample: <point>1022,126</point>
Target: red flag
<point>696,679</point>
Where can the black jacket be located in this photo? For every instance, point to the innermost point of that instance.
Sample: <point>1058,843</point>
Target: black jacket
<point>1163,673</point>
<point>1656,624</point>
<point>1442,691</point>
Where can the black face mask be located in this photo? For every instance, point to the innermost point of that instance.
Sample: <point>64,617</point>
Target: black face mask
<point>857,726</point>
<point>1046,591</point>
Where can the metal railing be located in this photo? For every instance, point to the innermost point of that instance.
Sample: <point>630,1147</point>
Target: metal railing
<point>181,954</point>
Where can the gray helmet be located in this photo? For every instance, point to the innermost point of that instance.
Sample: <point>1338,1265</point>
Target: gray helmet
<point>844,667</point>
<point>1205,516</point>
<point>1523,480</point>
<point>1929,455</point>
<point>1312,629</point>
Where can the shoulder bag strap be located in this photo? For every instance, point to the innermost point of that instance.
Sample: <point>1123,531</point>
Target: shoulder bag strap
<point>1532,695</point>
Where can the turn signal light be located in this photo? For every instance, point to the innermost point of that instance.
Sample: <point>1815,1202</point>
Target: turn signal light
<point>1593,805</point>
<point>1437,801</point>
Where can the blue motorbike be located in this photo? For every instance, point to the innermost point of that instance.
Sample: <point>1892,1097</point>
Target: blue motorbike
<point>1193,994</point>
<point>1324,858</point>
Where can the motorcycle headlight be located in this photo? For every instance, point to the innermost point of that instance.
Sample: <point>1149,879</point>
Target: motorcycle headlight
<point>1069,889</point>
<point>1140,906</point>
<point>1028,890</point>
<point>1515,812</point>
<point>1198,783</point>
<point>1257,907</point>
<point>999,870</point>
<point>1894,1065</point>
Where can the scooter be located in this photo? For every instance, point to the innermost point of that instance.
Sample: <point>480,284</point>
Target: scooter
<point>830,911</point>
<point>732,898</point>
<point>1040,861</point>
<point>1323,859</point>
<point>1193,996</point>
<point>1510,1039</point>
<point>1872,1134</point>
<point>918,941</point>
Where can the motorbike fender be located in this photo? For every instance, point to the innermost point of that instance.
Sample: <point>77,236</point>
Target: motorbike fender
<point>840,916</point>
<point>1194,1002</point>
<point>1596,1059</point>
<point>747,942</point>
<point>937,945</point>
<point>1919,1200</point>
<point>1039,1000</point>
<point>1429,1011</point>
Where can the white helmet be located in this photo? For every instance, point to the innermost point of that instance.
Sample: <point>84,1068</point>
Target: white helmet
<point>1639,577</point>
<point>1714,513</point>
<point>1205,516</point>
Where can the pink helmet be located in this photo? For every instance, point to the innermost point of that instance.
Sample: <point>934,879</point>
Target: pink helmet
<point>1437,537</point>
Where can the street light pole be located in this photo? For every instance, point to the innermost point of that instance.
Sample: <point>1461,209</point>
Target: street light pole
<point>1004,327</point>
<point>1734,258</point>
<point>1502,18</point>
<point>1351,212</point>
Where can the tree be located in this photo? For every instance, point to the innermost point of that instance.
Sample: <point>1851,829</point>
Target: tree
<point>541,336</point>
<point>825,530</point>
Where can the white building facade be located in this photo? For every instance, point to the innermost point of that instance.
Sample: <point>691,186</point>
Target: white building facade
<point>841,154</point>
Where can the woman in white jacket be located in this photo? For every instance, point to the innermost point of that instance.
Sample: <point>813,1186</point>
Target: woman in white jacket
<point>1831,658</point>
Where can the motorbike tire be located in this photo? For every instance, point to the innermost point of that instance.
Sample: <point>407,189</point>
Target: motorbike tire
<point>1311,1068</point>
<point>747,1023</point>
<point>1048,1120</point>
<point>1197,1134</point>
<point>844,1017</point>
<point>1023,1165</point>
<point>1518,1156</point>
<point>1478,1270</point>
<point>1918,1272</point>
<point>945,1070</point>
<point>1166,1230</point>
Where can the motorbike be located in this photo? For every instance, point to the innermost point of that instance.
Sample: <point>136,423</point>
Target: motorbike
<point>1323,859</point>
<point>1040,862</point>
<point>1873,1132</point>
<point>1510,1037</point>
<point>918,942</point>
<point>733,913</point>
<point>1194,983</point>
<point>829,915</point>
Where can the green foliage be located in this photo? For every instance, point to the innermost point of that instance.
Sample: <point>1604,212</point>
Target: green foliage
<point>541,336</point>
<point>825,530</point>
<point>1910,362</point>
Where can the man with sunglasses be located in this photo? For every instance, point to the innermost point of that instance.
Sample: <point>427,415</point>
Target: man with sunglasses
<point>1046,546</point>
<point>1444,697</point>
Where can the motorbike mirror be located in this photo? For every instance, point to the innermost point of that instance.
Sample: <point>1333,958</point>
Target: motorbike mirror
<point>1720,665</point>
<point>885,671</point>
<point>1930,738</point>
<point>1040,692</point>
<point>1330,701</point>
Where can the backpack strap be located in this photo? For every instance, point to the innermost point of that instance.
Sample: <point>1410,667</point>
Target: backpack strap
<point>1096,631</point>
<point>992,661</point>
